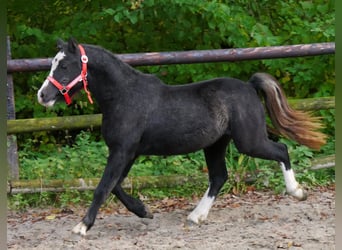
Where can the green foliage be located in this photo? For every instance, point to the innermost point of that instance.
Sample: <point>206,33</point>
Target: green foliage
<point>86,158</point>
<point>44,199</point>
<point>169,165</point>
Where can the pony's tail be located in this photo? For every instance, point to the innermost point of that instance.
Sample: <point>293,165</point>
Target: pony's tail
<point>297,125</point>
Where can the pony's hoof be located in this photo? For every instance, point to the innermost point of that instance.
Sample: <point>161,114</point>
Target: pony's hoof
<point>189,223</point>
<point>80,229</point>
<point>196,218</point>
<point>299,193</point>
<point>148,213</point>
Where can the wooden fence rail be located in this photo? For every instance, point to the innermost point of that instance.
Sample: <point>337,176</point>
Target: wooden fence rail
<point>82,184</point>
<point>198,56</point>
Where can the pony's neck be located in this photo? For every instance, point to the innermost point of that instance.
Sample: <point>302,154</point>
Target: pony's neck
<point>108,76</point>
<point>102,60</point>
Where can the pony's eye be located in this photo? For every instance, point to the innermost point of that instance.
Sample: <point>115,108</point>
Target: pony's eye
<point>63,66</point>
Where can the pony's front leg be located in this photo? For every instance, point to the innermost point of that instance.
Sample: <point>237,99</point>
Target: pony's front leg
<point>112,174</point>
<point>132,204</point>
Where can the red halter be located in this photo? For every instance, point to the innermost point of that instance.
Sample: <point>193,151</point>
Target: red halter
<point>82,77</point>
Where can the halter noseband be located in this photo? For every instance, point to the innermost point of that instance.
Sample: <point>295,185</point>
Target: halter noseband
<point>82,77</point>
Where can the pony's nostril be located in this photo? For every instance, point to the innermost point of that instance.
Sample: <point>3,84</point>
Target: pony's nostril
<point>41,95</point>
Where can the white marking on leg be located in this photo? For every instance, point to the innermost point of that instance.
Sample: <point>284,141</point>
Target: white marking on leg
<point>80,228</point>
<point>201,211</point>
<point>292,186</point>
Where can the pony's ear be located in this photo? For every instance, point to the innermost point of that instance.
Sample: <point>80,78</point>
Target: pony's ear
<point>72,45</point>
<point>60,43</point>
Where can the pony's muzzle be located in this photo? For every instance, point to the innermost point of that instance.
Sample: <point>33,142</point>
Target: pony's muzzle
<point>43,99</point>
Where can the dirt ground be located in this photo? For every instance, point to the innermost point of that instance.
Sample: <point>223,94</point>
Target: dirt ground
<point>256,220</point>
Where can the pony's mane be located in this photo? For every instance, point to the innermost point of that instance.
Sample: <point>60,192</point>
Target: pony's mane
<point>113,59</point>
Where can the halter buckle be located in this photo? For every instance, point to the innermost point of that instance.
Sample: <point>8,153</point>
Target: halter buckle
<point>64,91</point>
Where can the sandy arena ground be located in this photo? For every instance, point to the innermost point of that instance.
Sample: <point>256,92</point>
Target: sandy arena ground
<point>255,220</point>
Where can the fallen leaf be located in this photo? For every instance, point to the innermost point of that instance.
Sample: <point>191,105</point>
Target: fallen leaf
<point>235,205</point>
<point>50,217</point>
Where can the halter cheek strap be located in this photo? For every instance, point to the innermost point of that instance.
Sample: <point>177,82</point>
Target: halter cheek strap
<point>81,77</point>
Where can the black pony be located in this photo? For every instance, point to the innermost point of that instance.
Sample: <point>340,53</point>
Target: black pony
<point>144,116</point>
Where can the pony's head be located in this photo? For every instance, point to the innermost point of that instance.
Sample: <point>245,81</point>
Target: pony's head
<point>67,75</point>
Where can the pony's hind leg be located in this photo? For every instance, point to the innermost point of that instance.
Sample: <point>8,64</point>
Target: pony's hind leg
<point>215,158</point>
<point>277,151</point>
<point>270,150</point>
<point>250,137</point>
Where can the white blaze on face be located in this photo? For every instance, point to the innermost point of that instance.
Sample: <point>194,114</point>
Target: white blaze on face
<point>55,62</point>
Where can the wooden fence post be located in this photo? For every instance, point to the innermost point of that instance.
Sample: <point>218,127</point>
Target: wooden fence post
<point>12,147</point>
